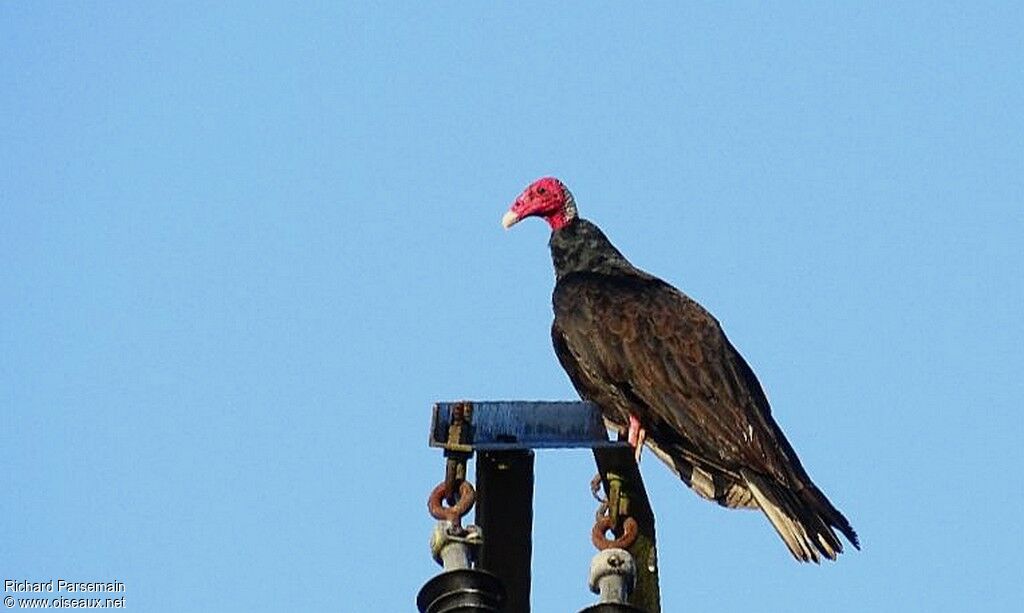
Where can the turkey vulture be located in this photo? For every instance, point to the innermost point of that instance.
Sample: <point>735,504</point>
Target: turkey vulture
<point>660,367</point>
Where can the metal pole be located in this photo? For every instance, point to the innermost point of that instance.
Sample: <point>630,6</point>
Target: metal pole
<point>504,512</point>
<point>619,461</point>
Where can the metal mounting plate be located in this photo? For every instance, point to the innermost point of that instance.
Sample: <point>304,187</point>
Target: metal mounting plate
<point>519,424</point>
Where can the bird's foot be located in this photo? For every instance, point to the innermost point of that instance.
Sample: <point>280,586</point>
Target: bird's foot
<point>636,436</point>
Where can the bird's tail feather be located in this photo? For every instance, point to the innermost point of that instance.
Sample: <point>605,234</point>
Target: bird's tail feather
<point>803,521</point>
<point>813,496</point>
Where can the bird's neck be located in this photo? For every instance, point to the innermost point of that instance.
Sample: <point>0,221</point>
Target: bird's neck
<point>580,246</point>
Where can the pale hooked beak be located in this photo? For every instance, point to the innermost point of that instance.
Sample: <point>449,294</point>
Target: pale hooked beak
<point>509,220</point>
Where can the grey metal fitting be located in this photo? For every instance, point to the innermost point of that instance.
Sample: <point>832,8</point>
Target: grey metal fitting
<point>613,575</point>
<point>455,551</point>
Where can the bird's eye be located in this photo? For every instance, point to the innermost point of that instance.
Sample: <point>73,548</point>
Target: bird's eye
<point>542,190</point>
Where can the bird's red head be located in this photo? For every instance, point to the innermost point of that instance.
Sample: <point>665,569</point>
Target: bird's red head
<point>547,198</point>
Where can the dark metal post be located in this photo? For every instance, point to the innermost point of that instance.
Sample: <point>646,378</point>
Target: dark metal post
<point>619,461</point>
<point>504,512</point>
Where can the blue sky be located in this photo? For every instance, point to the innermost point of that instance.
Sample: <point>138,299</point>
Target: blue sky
<point>245,248</point>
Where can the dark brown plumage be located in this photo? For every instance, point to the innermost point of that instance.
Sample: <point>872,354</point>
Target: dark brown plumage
<point>639,347</point>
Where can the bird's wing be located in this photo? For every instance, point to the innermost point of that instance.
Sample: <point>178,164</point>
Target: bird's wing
<point>636,345</point>
<point>644,347</point>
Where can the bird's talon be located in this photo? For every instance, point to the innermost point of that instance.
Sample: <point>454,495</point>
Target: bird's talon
<point>640,438</point>
<point>634,430</point>
<point>636,437</point>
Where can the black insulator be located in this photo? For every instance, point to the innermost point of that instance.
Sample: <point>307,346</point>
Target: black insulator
<point>612,607</point>
<point>461,591</point>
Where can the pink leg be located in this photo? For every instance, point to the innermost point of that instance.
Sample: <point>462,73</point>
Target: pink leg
<point>636,436</point>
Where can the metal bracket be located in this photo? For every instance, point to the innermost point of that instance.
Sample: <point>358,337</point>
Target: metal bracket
<point>507,425</point>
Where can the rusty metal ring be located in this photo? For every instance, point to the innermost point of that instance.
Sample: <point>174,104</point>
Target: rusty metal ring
<point>630,529</point>
<point>435,503</point>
